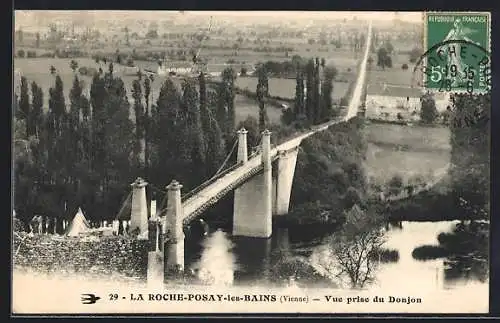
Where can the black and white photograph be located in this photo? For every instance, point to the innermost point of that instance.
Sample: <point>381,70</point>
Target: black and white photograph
<point>183,162</point>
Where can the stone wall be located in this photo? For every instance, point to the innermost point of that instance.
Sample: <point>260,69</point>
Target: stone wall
<point>104,256</point>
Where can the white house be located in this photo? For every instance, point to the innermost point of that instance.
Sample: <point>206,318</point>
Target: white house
<point>392,102</point>
<point>396,102</point>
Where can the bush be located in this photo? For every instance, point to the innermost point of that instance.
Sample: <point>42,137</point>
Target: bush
<point>20,53</point>
<point>351,198</point>
<point>17,225</point>
<point>395,184</point>
<point>47,54</point>
<point>91,71</point>
<point>415,54</point>
<point>385,255</point>
<point>83,70</point>
<point>404,66</point>
<point>428,112</point>
<point>388,62</point>
<point>252,126</point>
<point>427,252</point>
<point>130,62</point>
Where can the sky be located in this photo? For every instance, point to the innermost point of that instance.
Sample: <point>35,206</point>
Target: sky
<point>25,17</point>
<point>375,15</point>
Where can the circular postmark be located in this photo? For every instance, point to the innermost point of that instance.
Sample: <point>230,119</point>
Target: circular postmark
<point>457,66</point>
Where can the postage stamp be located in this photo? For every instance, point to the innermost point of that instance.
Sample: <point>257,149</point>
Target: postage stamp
<point>457,52</point>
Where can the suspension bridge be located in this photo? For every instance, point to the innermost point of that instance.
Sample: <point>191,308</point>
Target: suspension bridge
<point>258,193</point>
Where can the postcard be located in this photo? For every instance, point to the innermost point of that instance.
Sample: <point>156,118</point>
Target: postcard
<point>214,162</point>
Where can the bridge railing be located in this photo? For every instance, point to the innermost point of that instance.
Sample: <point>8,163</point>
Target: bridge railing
<point>209,182</point>
<point>241,179</point>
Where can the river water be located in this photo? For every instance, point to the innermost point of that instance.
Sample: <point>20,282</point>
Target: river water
<point>217,258</point>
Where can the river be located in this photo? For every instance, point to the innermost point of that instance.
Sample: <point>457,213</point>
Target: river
<point>218,258</point>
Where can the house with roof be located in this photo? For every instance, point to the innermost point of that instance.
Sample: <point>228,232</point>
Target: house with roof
<point>398,102</point>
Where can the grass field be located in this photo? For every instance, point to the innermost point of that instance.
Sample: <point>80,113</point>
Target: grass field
<point>37,69</point>
<point>246,107</point>
<point>394,75</point>
<point>285,88</point>
<point>405,151</point>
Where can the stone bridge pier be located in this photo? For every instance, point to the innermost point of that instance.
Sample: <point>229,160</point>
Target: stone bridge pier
<point>172,229</point>
<point>259,198</point>
<point>283,180</point>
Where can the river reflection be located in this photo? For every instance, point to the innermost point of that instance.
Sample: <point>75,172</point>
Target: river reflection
<point>220,259</point>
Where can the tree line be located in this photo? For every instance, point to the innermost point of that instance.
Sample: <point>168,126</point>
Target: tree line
<point>86,152</point>
<point>313,94</point>
<point>470,143</point>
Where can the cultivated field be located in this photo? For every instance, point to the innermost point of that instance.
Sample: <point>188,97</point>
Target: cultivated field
<point>405,151</point>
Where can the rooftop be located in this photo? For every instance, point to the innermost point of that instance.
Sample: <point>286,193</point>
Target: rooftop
<point>394,90</point>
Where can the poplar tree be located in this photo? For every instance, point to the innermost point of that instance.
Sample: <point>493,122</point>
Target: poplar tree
<point>221,107</point>
<point>57,144</point>
<point>167,124</point>
<point>262,91</point>
<point>326,94</point>
<point>213,135</point>
<point>317,98</point>
<point>119,143</point>
<point>37,109</point>
<point>39,147</point>
<point>75,145</point>
<point>228,78</point>
<point>195,131</point>
<point>262,107</point>
<point>99,118</point>
<point>263,80</point>
<point>146,122</point>
<point>24,106</point>
<point>299,93</point>
<point>139,125</point>
<point>310,90</point>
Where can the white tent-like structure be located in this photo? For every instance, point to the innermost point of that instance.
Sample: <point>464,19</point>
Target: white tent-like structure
<point>78,225</point>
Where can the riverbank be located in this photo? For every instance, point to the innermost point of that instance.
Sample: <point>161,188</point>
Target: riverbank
<point>428,206</point>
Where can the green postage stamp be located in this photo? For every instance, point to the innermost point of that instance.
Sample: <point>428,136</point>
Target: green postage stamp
<point>457,52</point>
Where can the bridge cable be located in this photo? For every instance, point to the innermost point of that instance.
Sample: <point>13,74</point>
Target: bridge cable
<point>225,161</point>
<point>124,203</point>
<point>157,189</point>
<point>258,147</point>
<point>218,171</point>
<point>162,204</point>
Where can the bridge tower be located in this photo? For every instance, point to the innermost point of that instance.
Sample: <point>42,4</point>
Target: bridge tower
<point>242,146</point>
<point>253,200</point>
<point>139,212</point>
<point>172,228</point>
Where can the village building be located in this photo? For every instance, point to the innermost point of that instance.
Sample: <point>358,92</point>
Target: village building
<point>399,103</point>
